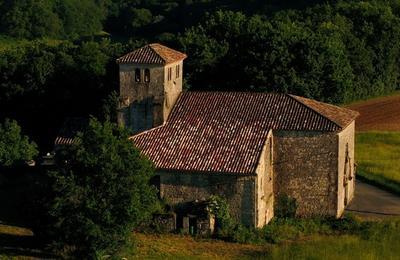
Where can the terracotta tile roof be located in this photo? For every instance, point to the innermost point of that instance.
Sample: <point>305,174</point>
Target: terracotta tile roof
<point>225,131</point>
<point>152,54</point>
<point>341,116</point>
<point>70,129</point>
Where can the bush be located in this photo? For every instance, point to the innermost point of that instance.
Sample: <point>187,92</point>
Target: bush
<point>220,209</point>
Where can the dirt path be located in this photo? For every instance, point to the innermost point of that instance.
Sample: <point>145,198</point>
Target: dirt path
<point>380,114</point>
<point>370,201</point>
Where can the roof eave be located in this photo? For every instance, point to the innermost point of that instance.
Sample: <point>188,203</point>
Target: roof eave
<point>170,170</point>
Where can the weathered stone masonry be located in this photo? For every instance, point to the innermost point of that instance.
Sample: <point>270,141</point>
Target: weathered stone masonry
<point>309,167</point>
<point>178,188</point>
<point>305,168</point>
<point>346,171</point>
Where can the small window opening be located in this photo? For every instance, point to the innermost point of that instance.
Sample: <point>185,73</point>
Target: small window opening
<point>137,75</point>
<point>169,74</point>
<point>270,151</point>
<point>146,75</point>
<point>177,71</point>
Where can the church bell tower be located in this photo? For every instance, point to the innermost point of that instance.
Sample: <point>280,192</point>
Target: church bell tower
<point>150,84</point>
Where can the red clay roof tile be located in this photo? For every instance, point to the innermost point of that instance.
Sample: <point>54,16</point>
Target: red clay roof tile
<point>152,54</point>
<point>226,131</point>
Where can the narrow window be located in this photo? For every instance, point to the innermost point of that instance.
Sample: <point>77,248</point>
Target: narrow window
<point>169,74</point>
<point>146,75</point>
<point>177,71</point>
<point>137,75</point>
<point>270,151</point>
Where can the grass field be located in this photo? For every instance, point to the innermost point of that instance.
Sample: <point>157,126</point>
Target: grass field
<point>383,244</point>
<point>378,140</point>
<point>378,158</point>
<point>378,241</point>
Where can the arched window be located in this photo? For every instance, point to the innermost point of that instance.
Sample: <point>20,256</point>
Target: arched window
<point>146,75</point>
<point>137,75</point>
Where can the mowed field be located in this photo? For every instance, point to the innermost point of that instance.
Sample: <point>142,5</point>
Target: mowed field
<point>378,114</point>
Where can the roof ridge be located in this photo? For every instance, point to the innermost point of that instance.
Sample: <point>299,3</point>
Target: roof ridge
<point>294,97</point>
<point>150,45</point>
<point>147,131</point>
<point>152,53</point>
<point>235,92</point>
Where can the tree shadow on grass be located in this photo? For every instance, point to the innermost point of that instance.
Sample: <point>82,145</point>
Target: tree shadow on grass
<point>22,246</point>
<point>16,236</point>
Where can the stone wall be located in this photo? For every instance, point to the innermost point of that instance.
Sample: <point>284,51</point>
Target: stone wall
<point>305,168</point>
<point>172,88</point>
<point>144,105</point>
<point>346,171</point>
<point>239,191</point>
<point>265,195</point>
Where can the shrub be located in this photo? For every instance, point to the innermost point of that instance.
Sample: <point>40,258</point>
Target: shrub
<point>220,209</point>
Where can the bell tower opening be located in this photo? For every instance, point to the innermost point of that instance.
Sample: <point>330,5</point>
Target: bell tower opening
<point>150,84</point>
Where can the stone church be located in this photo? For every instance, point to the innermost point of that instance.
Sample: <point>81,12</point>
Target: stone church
<point>248,148</point>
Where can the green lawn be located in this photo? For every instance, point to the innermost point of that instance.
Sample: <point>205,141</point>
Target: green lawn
<point>339,247</point>
<point>378,158</point>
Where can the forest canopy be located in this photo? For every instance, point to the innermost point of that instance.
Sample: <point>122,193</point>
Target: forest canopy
<point>57,58</point>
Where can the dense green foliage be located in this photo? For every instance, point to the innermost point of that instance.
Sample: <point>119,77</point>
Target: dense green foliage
<point>15,148</point>
<point>99,192</point>
<point>56,18</point>
<point>331,51</point>
<point>324,52</point>
<point>56,81</point>
<point>224,223</point>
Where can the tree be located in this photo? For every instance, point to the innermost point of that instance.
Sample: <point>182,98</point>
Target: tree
<point>15,148</point>
<point>109,107</point>
<point>140,17</point>
<point>100,192</point>
<point>30,19</point>
<point>80,17</point>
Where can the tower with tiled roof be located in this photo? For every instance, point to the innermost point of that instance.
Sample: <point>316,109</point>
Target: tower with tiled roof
<point>150,84</point>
